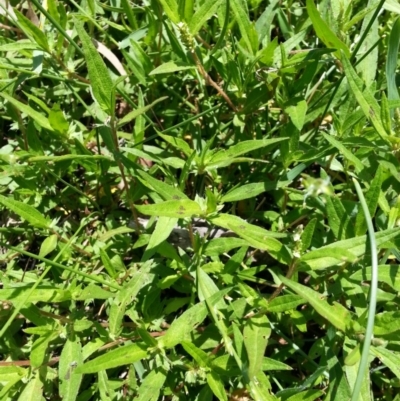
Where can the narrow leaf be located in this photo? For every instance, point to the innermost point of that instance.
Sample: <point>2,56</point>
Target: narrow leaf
<point>345,151</point>
<point>174,208</point>
<point>245,26</point>
<point>32,31</point>
<point>27,212</point>
<point>203,14</point>
<point>324,32</point>
<point>100,80</point>
<point>33,391</point>
<point>37,117</point>
<point>217,386</point>
<point>184,325</point>
<point>151,386</point>
<point>335,314</point>
<point>256,333</point>
<point>171,9</point>
<point>297,114</point>
<point>372,198</point>
<point>48,245</point>
<point>70,358</point>
<point>135,113</point>
<point>117,357</point>
<point>338,252</point>
<point>169,67</point>
<point>365,99</point>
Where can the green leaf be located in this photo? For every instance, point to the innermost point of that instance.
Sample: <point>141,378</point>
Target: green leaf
<point>386,323</point>
<point>57,159</point>
<point>181,327</point>
<point>141,110</point>
<point>48,245</point>
<point>171,9</point>
<point>174,208</point>
<point>163,229</point>
<point>391,63</point>
<point>388,358</point>
<point>27,212</point>
<point>308,395</point>
<point>297,114</point>
<point>218,246</point>
<point>168,192</point>
<point>100,80</point>
<point>38,295</point>
<point>32,31</point>
<point>285,303</point>
<point>260,389</point>
<point>91,291</point>
<point>57,120</point>
<point>70,358</point>
<point>257,237</point>
<point>105,390</point>
<point>307,235</point>
<point>116,231</point>
<point>248,191</point>
<point>151,386</point>
<point>170,67</point>
<point>272,364</point>
<point>197,354</point>
<point>371,198</point>
<point>324,32</point>
<point>107,263</point>
<point>246,28</point>
<point>385,114</point>
<point>118,357</point>
<point>203,14</point>
<point>365,99</point>
<point>224,158</point>
<point>33,391</point>
<point>127,295</point>
<point>338,218</point>
<point>345,151</point>
<point>389,274</point>
<point>335,314</point>
<point>177,143</point>
<point>207,288</point>
<point>37,117</point>
<point>344,251</point>
<point>256,333</point>
<point>217,386</point>
<point>39,348</point>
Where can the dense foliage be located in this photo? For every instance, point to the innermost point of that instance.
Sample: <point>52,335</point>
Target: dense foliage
<point>195,198</point>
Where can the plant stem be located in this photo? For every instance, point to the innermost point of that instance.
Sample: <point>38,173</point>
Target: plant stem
<point>372,296</point>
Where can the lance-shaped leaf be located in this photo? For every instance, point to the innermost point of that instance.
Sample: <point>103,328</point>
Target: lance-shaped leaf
<point>36,116</point>
<point>365,99</point>
<point>174,208</point>
<point>100,80</point>
<point>136,113</point>
<point>203,14</point>
<point>324,32</point>
<point>117,357</point>
<point>256,333</point>
<point>344,251</point>
<point>151,386</point>
<point>71,357</point>
<point>27,212</point>
<point>335,314</point>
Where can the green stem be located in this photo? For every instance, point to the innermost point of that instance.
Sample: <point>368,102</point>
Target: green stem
<point>372,296</point>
